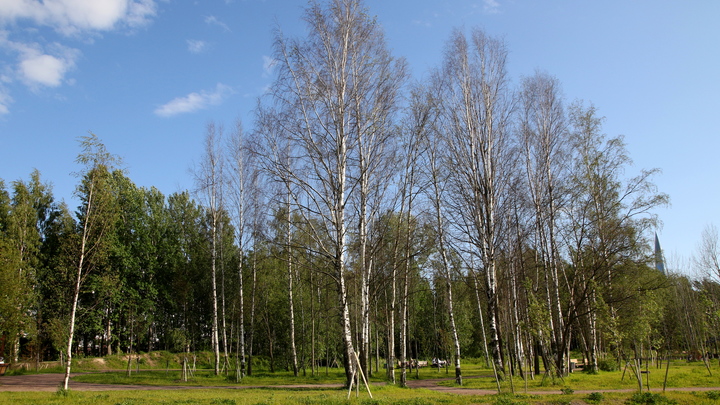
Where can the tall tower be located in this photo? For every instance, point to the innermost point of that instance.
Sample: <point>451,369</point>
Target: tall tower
<point>659,259</point>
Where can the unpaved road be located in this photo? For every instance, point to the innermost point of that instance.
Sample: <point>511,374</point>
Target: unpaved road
<point>432,384</point>
<point>51,382</point>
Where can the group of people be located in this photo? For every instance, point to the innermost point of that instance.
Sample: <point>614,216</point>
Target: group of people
<point>438,363</point>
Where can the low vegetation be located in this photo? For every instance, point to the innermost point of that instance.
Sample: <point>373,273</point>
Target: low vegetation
<point>578,388</point>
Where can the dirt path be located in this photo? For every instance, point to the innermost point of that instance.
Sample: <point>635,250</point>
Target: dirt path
<point>51,382</point>
<point>432,384</point>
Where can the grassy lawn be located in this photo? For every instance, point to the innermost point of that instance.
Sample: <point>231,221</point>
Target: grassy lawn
<point>204,377</point>
<point>381,395</point>
<point>681,374</point>
<point>161,369</point>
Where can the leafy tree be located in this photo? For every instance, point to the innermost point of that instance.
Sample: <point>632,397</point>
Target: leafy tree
<point>95,218</point>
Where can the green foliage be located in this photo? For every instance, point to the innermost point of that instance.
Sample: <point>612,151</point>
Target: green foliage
<point>649,398</point>
<point>714,395</point>
<point>567,391</point>
<point>594,397</point>
<point>607,365</point>
<point>62,392</point>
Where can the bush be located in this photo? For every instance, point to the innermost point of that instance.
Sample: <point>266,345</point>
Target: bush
<point>607,365</point>
<point>594,397</point>
<point>567,391</point>
<point>648,398</point>
<point>714,395</point>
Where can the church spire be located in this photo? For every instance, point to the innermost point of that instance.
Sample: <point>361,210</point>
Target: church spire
<point>659,260</point>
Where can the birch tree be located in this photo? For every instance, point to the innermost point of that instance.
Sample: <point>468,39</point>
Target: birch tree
<point>210,181</point>
<point>608,218</point>
<point>475,111</point>
<point>544,141</point>
<point>244,193</point>
<point>707,255</point>
<point>329,99</point>
<point>424,112</point>
<point>95,217</point>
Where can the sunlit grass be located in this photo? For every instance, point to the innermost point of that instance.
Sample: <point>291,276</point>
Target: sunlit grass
<point>681,374</point>
<point>204,377</point>
<point>381,396</point>
<point>161,370</point>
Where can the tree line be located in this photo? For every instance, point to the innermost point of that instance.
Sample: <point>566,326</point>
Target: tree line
<point>365,221</point>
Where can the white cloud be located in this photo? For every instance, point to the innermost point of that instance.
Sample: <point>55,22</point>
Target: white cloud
<point>194,101</point>
<point>43,69</point>
<point>491,6</point>
<point>268,65</point>
<point>74,16</point>
<point>212,20</point>
<point>37,66</point>
<point>5,101</point>
<point>43,64</point>
<point>196,46</point>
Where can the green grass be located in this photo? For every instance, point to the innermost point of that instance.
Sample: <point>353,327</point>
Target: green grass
<point>381,396</point>
<point>681,374</point>
<point>203,377</point>
<point>559,391</point>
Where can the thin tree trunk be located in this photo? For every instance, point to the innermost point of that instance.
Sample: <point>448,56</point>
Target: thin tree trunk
<point>288,236</point>
<point>213,276</point>
<point>78,280</point>
<point>252,312</point>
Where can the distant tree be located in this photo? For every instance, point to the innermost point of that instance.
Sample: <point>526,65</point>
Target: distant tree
<point>707,257</point>
<point>23,226</point>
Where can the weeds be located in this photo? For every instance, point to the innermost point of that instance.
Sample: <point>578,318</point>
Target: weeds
<point>594,398</point>
<point>649,398</point>
<point>714,395</point>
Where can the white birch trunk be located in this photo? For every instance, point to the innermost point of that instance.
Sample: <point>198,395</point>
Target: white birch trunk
<point>79,276</point>
<point>288,236</point>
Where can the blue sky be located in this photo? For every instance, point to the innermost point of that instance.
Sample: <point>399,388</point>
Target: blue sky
<point>148,75</point>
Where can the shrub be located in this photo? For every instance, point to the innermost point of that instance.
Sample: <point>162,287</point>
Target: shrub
<point>607,365</point>
<point>567,391</point>
<point>62,392</point>
<point>649,398</point>
<point>594,397</point>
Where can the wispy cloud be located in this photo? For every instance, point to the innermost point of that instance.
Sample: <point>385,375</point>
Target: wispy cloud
<point>491,6</point>
<point>212,20</point>
<point>194,101</point>
<point>268,65</point>
<point>196,46</point>
<point>5,101</point>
